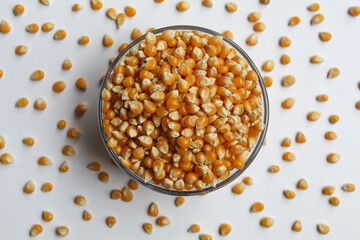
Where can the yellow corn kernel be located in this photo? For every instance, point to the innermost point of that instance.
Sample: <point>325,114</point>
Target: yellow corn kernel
<point>45,2</point>
<point>314,7</point>
<point>77,7</point>
<point>37,75</point>
<point>80,200</point>
<point>285,59</point>
<point>228,34</point>
<point>153,210</point>
<point>238,188</point>
<point>323,228</point>
<point>268,81</point>
<point>47,216</point>
<point>60,34</point>
<point>86,215</point>
<point>1,73</point>
<point>74,133</point>
<point>317,19</point>
<point>68,150</point>
<point>163,221</point>
<point>248,181</point>
<point>288,103</point>
<point>18,9</point>
<point>289,194</point>
<point>328,190</point>
<point>333,158</point>
<point>96,4</point>
<point>254,17</point>
<point>231,7</point>
<point>32,28</point>
<point>322,97</point>
<point>84,40</point>
<point>7,158</point>
<point>40,104</point>
<point>127,195</point>
<point>274,169</point>
<point>5,27</point>
<point>81,83</point>
<point>104,177</point>
<point>354,11</point>
<point>207,3</point>
<point>288,81</point>
<point>2,142</point>
<point>29,141</point>
<point>110,221</point>
<point>335,201</point>
<point>29,187</point>
<point>268,66</point>
<point>111,13</point>
<point>257,207</point>
<point>265,2</point>
<point>67,64</point>
<point>47,187</point>
<point>295,20</point>
<point>252,40</point>
<point>130,11</point>
<point>81,108</point>
<point>194,228</point>
<point>325,36</point>
<point>284,42</point>
<point>59,86</point>
<point>61,124</point>
<point>224,229</point>
<point>333,72</point>
<point>300,137</point>
<point>183,6</point>
<point>330,135</point>
<point>316,59</point>
<point>158,1</point>
<point>62,231</point>
<point>107,40</point>
<point>94,166</point>
<point>297,226</point>
<point>314,116</point>
<point>21,50</point>
<point>115,194</point>
<point>36,230</point>
<point>357,105</point>
<point>348,187</point>
<point>64,167</point>
<point>205,236</point>
<point>136,33</point>
<point>179,201</point>
<point>267,222</point>
<point>259,27</point>
<point>22,102</point>
<point>148,227</point>
<point>120,19</point>
<point>286,142</point>
<point>289,156</point>
<point>44,161</point>
<point>47,27</point>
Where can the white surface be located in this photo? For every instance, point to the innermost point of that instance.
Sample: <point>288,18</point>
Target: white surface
<point>18,211</point>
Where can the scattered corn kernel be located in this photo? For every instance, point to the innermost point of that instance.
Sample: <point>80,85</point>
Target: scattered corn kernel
<point>259,27</point>
<point>316,59</point>
<point>29,141</point>
<point>194,228</point>
<point>322,98</point>
<point>183,6</point>
<point>335,201</point>
<point>61,124</point>
<point>64,167</point>
<point>47,27</point>
<point>265,2</point>
<point>32,28</point>
<point>5,27</point>
<point>248,181</point>
<point>67,64</point>
<point>62,231</point>
<point>302,184</point>
<point>86,215</point>
<point>115,194</point>
<point>127,195</point>
<point>133,185</point>
<point>60,34</point>
<point>257,207</point>
<point>29,187</point>
<point>47,187</point>
<point>254,17</point>
<point>238,188</point>
<point>333,158</point>
<point>286,142</point>
<point>328,190</point>
<point>317,19</point>
<point>314,116</point>
<point>224,229</point>
<point>289,156</point>
<point>81,83</point>
<point>348,187</point>
<point>45,2</point>
<point>295,20</point>
<point>36,230</point>
<point>44,161</point>
<point>130,11</point>
<point>136,33</point>
<point>268,66</point>
<point>120,19</point>
<point>205,236</point>
<point>110,221</point>
<point>163,221</point>
<point>357,105</point>
<point>22,102</point>
<point>37,75</point>
<point>285,59</point>
<point>314,7</point>
<point>1,73</point>
<point>7,158</point>
<point>333,72</point>
<point>325,36</point>
<point>207,3</point>
<point>274,169</point>
<point>111,13</point>
<point>108,40</point>
<point>289,194</point>
<point>268,81</point>
<point>74,133</point>
<point>231,7</point>
<point>68,150</point>
<point>153,210</point>
<point>77,7</point>
<point>158,1</point>
<point>80,200</point>
<point>47,216</point>
<point>148,227</point>
<point>267,222</point>
<point>40,104</point>
<point>297,226</point>
<point>288,81</point>
<point>323,228</point>
<point>21,50</point>
<point>2,142</point>
<point>104,177</point>
<point>252,40</point>
<point>179,201</point>
<point>300,137</point>
<point>94,166</point>
<point>18,9</point>
<point>330,135</point>
<point>288,103</point>
<point>96,4</point>
<point>84,40</point>
<point>81,108</point>
<point>284,42</point>
<point>59,86</point>
<point>354,11</point>
<point>228,34</point>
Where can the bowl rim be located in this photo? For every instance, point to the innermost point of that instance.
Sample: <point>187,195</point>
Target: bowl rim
<point>209,188</point>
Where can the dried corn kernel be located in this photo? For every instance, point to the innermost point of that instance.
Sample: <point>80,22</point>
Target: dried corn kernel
<point>238,188</point>
<point>37,75</point>
<point>314,116</point>
<point>288,103</point>
<point>29,141</point>
<point>44,161</point>
<point>325,36</point>
<point>183,6</point>
<point>205,236</point>
<point>110,221</point>
<point>36,230</point>
<point>224,229</point>
<point>29,187</point>
<point>22,102</point>
<point>289,156</point>
<point>104,177</point>
<point>289,194</point>
<point>84,40</point>
<point>333,72</point>
<point>32,28</point>
<point>148,227</point>
<point>328,190</point>
<point>77,7</point>
<point>179,201</point>
<point>348,187</point>
<point>335,201</point>
<point>248,181</point>
<point>228,34</point>
<point>288,81</point>
<point>47,27</point>
<point>64,167</point>
<point>274,169</point>
<point>314,7</point>
<point>115,194</point>
<point>259,27</point>
<point>40,104</point>
<point>47,216</point>
<point>60,34</point>
<point>18,9</point>
<point>268,81</point>
<point>62,231</point>
<point>163,221</point>
<point>120,19</point>
<point>94,166</point>
<point>21,50</point>
<point>74,133</point>
<point>354,11</point>
<point>81,83</point>
<point>5,27</point>
<point>45,2</point>
<point>284,42</point>
<point>47,187</point>
<point>264,1</point>
<point>294,21</point>
<point>59,86</point>
<point>333,158</point>
<point>80,200</point>
<point>231,7</point>
<point>127,195</point>
<point>207,3</point>
<point>285,59</point>
<point>194,228</point>
<point>130,11</point>
<point>2,142</point>
<point>254,17</point>
<point>136,33</point>
<point>86,215</point>
<point>300,137</point>
<point>1,73</point>
<point>302,184</point>
<point>7,158</point>
<point>68,150</point>
<point>316,59</point>
<point>330,135</point>
<point>317,19</point>
<point>61,124</point>
<point>107,40</point>
<point>323,228</point>
<point>257,207</point>
<point>322,98</point>
<point>153,210</point>
<point>267,222</point>
<point>286,142</point>
<point>252,40</point>
<point>357,105</point>
<point>96,4</point>
<point>268,66</point>
<point>67,64</point>
<point>111,13</point>
<point>81,108</point>
<point>297,226</point>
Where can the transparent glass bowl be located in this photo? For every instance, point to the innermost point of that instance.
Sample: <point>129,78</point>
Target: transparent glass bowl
<point>234,173</point>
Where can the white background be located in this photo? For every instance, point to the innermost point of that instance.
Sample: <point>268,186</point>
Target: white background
<point>18,211</point>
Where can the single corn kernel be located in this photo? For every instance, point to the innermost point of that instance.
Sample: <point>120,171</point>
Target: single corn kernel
<point>333,72</point>
<point>1,73</point>
<point>81,108</point>
<point>257,207</point>
<point>73,133</point>
<point>148,227</point>
<point>29,141</point>
<point>40,104</point>
<point>44,161</point>
<point>94,166</point>
<point>268,81</point>
<point>18,9</point>
<point>62,231</point>
<point>60,35</point>
<point>130,11</point>
<point>285,59</point>
<point>47,187</point>
<point>288,81</point>
<point>333,158</point>
<point>45,2</point>
<point>238,188</point>
<point>328,190</point>
<point>254,17</point>
<point>294,21</point>
<point>158,1</point>
<point>96,4</point>
<point>314,7</point>
<point>297,226</point>
<point>335,201</point>
<point>224,229</point>
<point>330,135</point>
<point>286,142</point>
<point>61,124</point>
<point>248,181</point>
<point>107,40</point>
<point>325,36</point>
<point>348,187</point>
<point>47,27</point>
<point>267,222</point>
<point>179,201</point>
<point>334,118</point>
<point>7,158</point>
<point>205,236</point>
<point>37,75</point>
<point>29,187</point>
<point>110,221</point>
<point>314,116</point>
<point>5,27</point>
<point>289,156</point>
<point>84,40</point>
<point>228,34</point>
<point>127,195</point>
<point>136,33</point>
<point>115,194</point>
<point>252,40</point>
<point>259,27</point>
<point>357,105</point>
<point>22,102</point>
<point>265,2</point>
<point>268,66</point>
<point>36,230</point>
<point>317,19</point>
<point>67,64</point>
<point>81,83</point>
<point>32,28</point>
<point>316,59</point>
<point>21,50</point>
<point>207,3</point>
<point>274,169</point>
<point>284,42</point>
<point>323,228</point>
<point>68,150</point>
<point>231,7</point>
<point>64,167</point>
<point>153,210</point>
<point>288,103</point>
<point>163,221</point>
<point>77,7</point>
<point>322,98</point>
<point>354,11</point>
<point>120,19</point>
<point>289,194</point>
<point>302,184</point>
<point>86,215</point>
<point>104,177</point>
<point>59,86</point>
<point>300,137</point>
<point>111,13</point>
<point>183,6</point>
<point>133,185</point>
<point>47,216</point>
<point>80,200</point>
<point>194,228</point>
<point>2,142</point>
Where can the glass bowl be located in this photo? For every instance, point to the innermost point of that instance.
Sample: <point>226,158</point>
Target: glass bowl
<point>235,172</point>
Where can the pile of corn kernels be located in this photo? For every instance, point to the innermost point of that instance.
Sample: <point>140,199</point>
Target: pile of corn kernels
<point>151,120</point>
